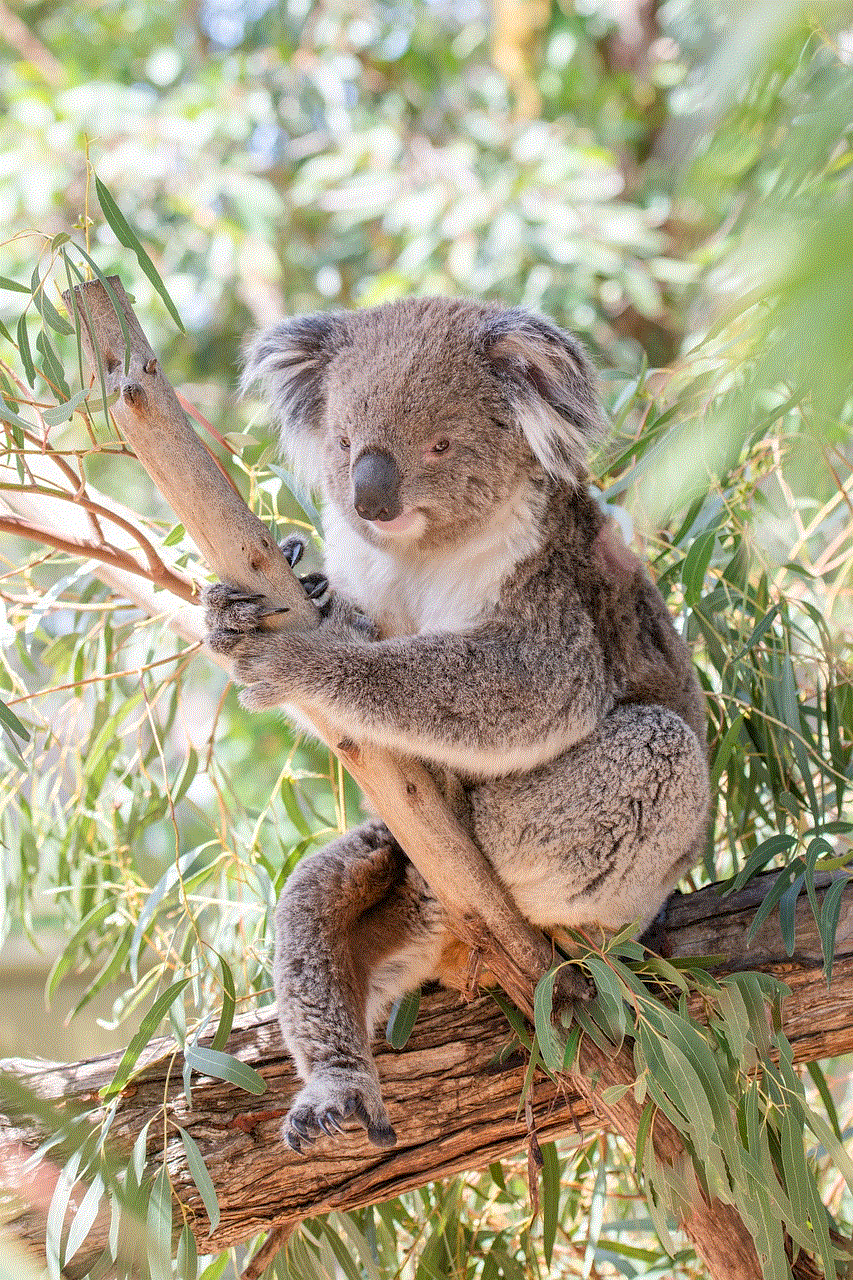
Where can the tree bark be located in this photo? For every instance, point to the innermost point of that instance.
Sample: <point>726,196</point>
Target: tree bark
<point>454,1104</point>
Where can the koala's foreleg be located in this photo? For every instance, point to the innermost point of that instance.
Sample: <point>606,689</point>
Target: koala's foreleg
<point>356,927</point>
<point>600,835</point>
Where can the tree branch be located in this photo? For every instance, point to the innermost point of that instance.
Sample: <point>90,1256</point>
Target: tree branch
<point>453,1103</point>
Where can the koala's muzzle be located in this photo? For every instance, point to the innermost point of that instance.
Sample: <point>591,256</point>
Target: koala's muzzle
<point>376,487</point>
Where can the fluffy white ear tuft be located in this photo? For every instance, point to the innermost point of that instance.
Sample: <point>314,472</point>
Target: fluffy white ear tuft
<point>289,362</point>
<point>552,387</point>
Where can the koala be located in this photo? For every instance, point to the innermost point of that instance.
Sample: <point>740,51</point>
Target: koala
<point>483,617</point>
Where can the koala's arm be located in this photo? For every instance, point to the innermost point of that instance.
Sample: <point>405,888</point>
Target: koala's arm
<point>495,700</point>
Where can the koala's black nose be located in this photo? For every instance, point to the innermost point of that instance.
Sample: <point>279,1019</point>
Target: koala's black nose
<point>376,486</point>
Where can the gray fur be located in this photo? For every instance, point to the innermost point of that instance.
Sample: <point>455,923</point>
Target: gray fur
<point>497,629</point>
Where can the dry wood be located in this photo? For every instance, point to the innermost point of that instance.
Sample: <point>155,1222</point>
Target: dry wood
<point>452,1104</point>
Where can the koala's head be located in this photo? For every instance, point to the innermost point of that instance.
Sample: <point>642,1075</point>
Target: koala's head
<point>421,419</point>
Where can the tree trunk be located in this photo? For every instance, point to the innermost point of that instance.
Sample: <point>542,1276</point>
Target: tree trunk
<point>453,1104</point>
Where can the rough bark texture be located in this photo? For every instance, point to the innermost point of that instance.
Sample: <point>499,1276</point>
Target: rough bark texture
<point>453,1106</point>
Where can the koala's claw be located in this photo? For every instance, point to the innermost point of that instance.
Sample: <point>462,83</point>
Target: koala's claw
<point>292,549</point>
<point>329,1122</point>
<point>323,1106</point>
<point>314,584</point>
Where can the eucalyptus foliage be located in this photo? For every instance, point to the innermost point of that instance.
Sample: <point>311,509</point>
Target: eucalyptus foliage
<point>345,155</point>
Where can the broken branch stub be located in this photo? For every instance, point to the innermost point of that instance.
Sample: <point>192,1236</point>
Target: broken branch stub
<point>233,541</point>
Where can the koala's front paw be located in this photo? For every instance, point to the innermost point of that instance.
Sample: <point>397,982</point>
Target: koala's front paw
<point>231,613</point>
<point>332,1097</point>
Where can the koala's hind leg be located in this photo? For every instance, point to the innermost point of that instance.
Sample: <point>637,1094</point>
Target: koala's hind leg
<point>601,835</point>
<point>356,927</point>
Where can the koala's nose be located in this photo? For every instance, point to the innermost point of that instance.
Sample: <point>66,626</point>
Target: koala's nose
<point>376,486</point>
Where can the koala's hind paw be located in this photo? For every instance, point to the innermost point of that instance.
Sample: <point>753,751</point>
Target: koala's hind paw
<point>327,1101</point>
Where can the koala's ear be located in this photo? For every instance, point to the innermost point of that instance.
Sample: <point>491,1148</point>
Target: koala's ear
<point>289,362</point>
<point>552,389</point>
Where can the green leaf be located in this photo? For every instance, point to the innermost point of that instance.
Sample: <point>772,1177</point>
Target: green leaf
<point>774,895</point>
<point>62,412</point>
<point>13,286</point>
<point>830,913</point>
<point>176,871</point>
<point>81,1223</point>
<point>24,350</point>
<point>758,631</point>
<point>127,236</point>
<point>759,858</point>
<point>147,1027</point>
<point>643,1131</point>
<point>8,415</point>
<point>201,1178</point>
<point>64,961</point>
<point>186,1258</point>
<point>819,1081</point>
<point>12,724</point>
<point>229,1004</point>
<point>159,1227</point>
<point>46,309</point>
<point>609,997</point>
<point>174,536</point>
<point>224,1066</point>
<point>56,1213</point>
<point>551,1045</point>
<point>788,913</point>
<point>572,1046</point>
<point>696,564</point>
<point>402,1018</point>
<point>551,1178</point>
<point>724,751</point>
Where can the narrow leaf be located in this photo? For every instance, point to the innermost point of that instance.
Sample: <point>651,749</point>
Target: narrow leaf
<point>402,1018</point>
<point>828,927</point>
<point>550,1044</point>
<point>147,1027</point>
<point>128,237</point>
<point>550,1198</point>
<point>229,1003</point>
<point>201,1178</point>
<point>224,1066</point>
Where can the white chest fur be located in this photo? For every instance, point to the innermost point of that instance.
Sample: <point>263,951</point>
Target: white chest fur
<point>405,593</point>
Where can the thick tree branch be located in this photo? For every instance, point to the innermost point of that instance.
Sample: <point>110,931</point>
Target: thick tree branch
<point>454,1106</point>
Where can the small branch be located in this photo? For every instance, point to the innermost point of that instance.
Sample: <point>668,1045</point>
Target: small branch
<point>275,1241</point>
<point>156,566</point>
<point>106,554</point>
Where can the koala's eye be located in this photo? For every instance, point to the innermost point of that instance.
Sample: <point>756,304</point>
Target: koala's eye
<point>441,446</point>
<point>344,443</point>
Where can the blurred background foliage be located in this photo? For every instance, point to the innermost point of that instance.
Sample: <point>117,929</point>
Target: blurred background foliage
<point>670,180</point>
